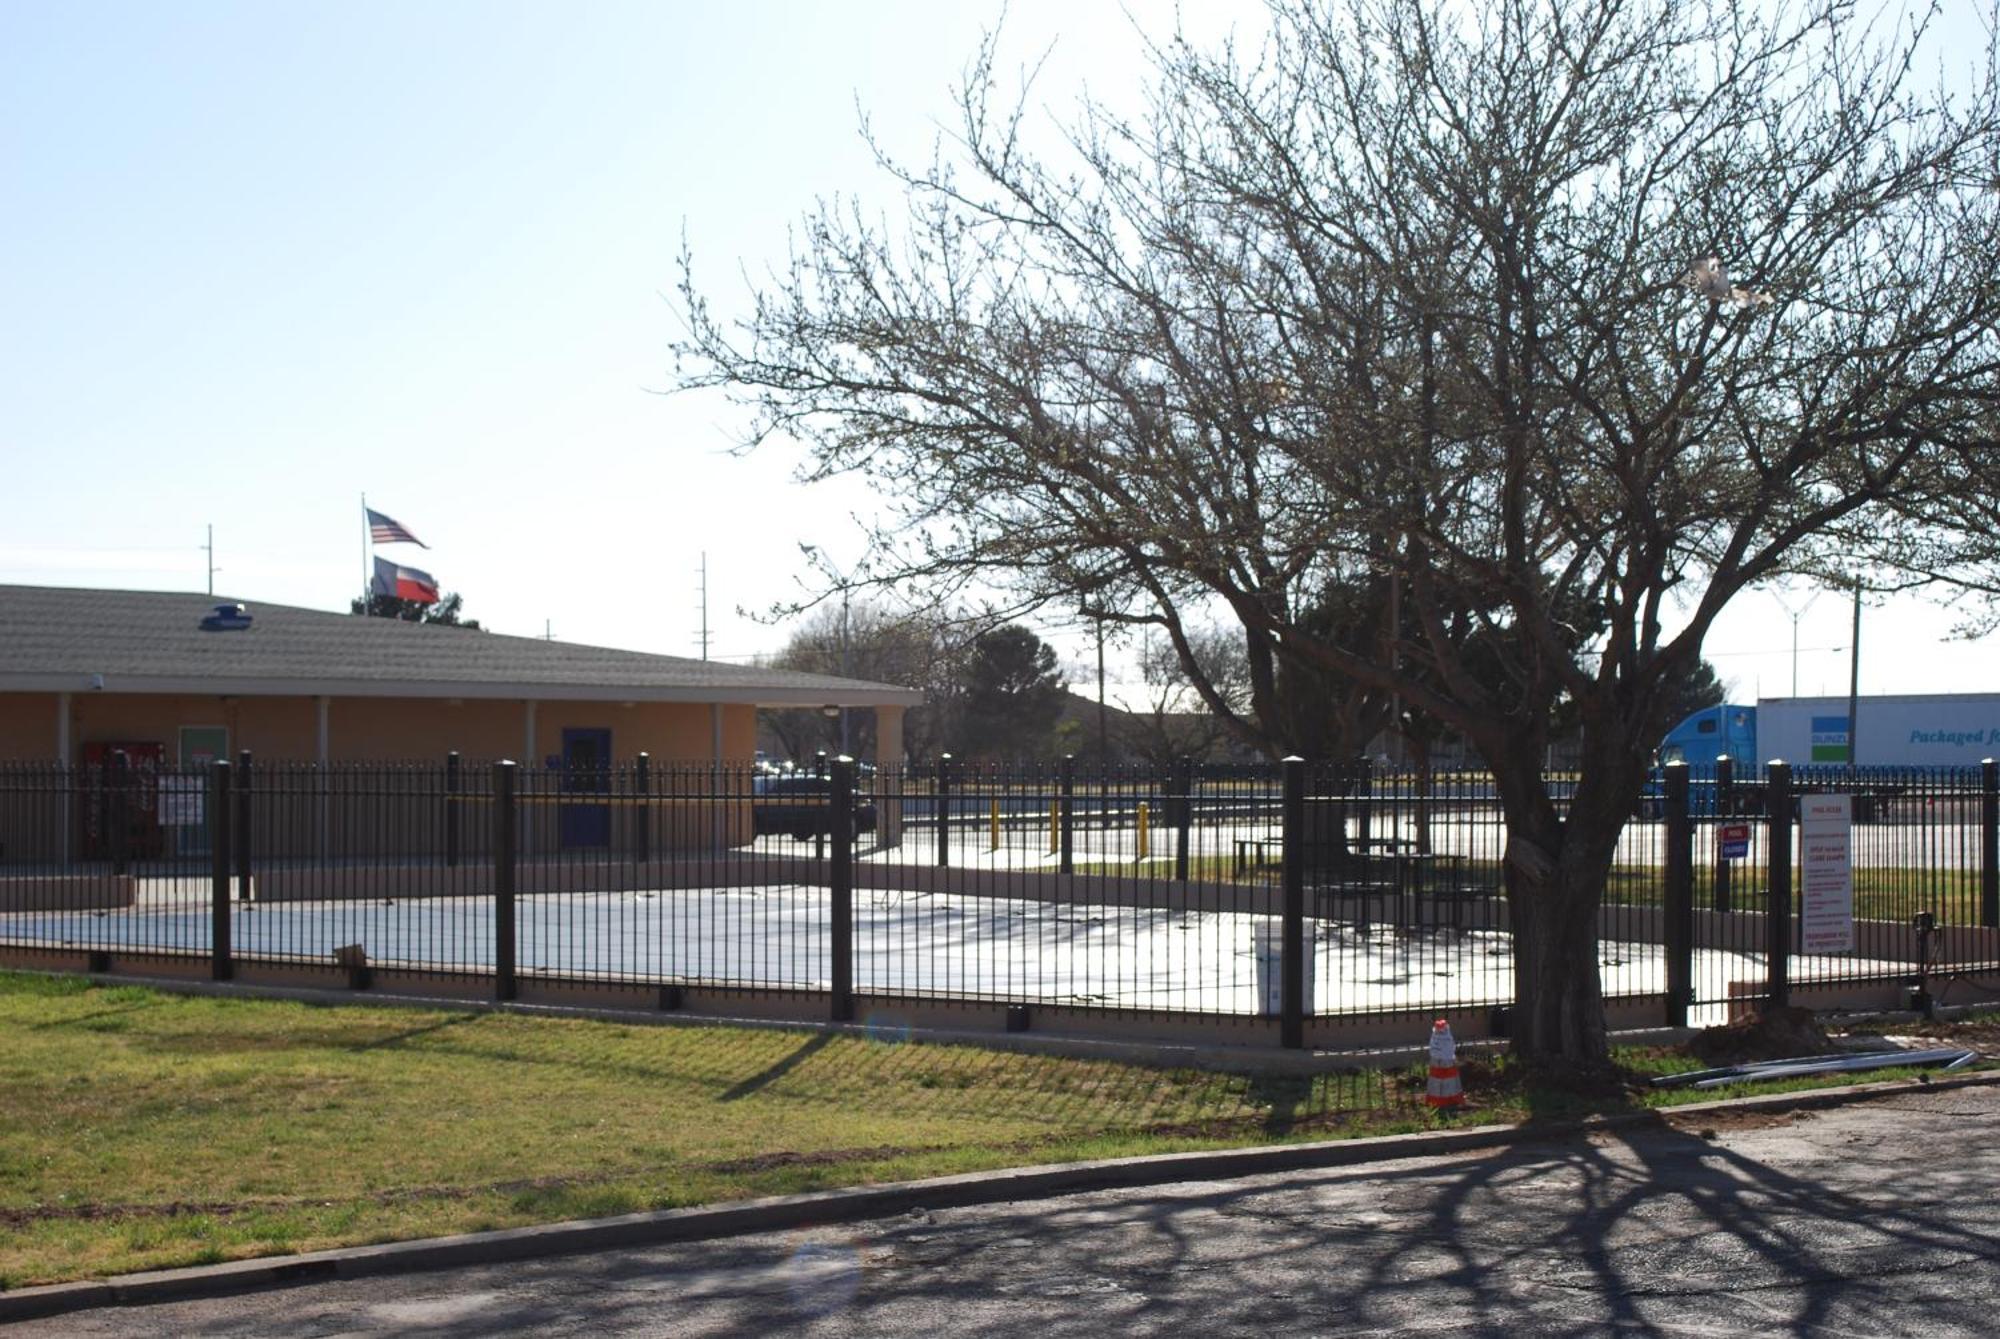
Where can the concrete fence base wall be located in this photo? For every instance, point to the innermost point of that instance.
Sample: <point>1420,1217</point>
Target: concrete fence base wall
<point>66,892</point>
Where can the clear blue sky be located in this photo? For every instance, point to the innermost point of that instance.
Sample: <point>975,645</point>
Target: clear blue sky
<point>256,259</point>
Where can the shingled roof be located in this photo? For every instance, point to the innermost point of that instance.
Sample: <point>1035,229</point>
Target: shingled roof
<point>57,639</point>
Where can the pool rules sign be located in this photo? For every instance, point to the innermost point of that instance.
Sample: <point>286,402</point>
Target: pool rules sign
<point>1826,874</point>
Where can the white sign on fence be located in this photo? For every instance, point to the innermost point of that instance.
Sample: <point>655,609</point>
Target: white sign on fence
<point>1268,939</point>
<point>1826,874</point>
<point>180,801</point>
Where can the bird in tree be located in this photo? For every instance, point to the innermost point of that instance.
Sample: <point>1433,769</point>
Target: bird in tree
<point>1709,279</point>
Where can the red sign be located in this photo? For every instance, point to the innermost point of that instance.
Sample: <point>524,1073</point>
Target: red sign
<point>1732,840</point>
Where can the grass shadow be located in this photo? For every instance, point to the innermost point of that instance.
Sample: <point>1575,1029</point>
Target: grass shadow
<point>410,1034</point>
<point>772,1073</point>
<point>95,1015</point>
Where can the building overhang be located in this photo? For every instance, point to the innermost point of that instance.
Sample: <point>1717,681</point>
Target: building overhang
<point>746,695</point>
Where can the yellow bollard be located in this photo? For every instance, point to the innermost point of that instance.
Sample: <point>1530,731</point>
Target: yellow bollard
<point>1055,826</point>
<point>1145,835</point>
<point>993,827</point>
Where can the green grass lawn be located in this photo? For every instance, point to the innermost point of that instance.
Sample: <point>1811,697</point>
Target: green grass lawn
<point>141,1129</point>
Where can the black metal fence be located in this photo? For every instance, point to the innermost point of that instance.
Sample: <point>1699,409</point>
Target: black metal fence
<point>1323,892</point>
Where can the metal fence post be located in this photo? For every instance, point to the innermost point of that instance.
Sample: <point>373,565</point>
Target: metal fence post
<point>1066,819</point>
<point>1364,790</point>
<point>840,879</point>
<point>1725,805</point>
<point>221,957</point>
<point>117,813</point>
<point>1292,944</point>
<point>453,785</point>
<point>503,881</point>
<point>1679,910</point>
<point>642,784</point>
<point>1989,843</point>
<point>1183,814</point>
<point>819,833</point>
<point>1778,903</point>
<point>242,825</point>
<point>943,790</point>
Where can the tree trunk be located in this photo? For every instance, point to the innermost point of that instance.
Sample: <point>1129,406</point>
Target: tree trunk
<point>1558,1014</point>
<point>1557,867</point>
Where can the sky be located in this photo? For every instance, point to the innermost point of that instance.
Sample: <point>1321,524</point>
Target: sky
<point>257,260</point>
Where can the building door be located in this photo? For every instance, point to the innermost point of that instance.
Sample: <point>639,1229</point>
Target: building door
<point>586,761</point>
<point>200,745</point>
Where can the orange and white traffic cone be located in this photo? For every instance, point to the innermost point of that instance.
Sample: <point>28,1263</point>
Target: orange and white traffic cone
<point>1444,1091</point>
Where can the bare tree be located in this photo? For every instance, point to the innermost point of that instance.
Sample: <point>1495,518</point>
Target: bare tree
<point>865,639</point>
<point>1174,721</point>
<point>1570,319</point>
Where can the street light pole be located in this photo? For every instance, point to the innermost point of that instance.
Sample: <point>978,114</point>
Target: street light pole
<point>1795,615</point>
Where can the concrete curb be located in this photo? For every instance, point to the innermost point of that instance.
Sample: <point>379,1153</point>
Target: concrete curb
<point>791,1212</point>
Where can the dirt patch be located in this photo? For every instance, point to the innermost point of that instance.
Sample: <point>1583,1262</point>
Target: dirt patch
<point>826,1157</point>
<point>1777,1034</point>
<point>1708,1124</point>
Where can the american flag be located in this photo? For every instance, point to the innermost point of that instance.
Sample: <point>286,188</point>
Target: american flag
<point>388,530</point>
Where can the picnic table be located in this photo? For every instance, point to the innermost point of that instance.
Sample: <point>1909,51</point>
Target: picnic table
<point>1391,873</point>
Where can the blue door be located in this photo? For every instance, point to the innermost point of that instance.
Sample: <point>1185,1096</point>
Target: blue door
<point>586,761</point>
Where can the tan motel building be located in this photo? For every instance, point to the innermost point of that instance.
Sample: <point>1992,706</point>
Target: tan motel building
<point>179,679</point>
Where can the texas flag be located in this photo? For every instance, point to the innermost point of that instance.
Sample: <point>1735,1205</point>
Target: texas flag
<point>405,583</point>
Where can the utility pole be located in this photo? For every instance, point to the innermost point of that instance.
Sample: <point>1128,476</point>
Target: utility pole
<point>1854,687</point>
<point>1396,663</point>
<point>703,591</point>
<point>210,548</point>
<point>1103,716</point>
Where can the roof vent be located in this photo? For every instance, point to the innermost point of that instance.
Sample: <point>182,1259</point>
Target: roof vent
<point>226,618</point>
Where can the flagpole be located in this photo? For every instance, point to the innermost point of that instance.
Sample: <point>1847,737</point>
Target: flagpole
<point>366,567</point>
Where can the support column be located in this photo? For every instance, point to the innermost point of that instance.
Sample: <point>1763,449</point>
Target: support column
<point>62,764</point>
<point>718,809</point>
<point>889,786</point>
<point>322,712</point>
<point>531,760</point>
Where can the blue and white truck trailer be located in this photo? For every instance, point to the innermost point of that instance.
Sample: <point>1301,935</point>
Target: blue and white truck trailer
<point>1912,730</point>
<point>1898,734</point>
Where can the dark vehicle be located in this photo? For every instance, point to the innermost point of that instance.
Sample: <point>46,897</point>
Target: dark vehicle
<point>799,804</point>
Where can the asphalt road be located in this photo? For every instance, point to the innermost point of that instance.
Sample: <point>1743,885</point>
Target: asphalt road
<point>1879,1218</point>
